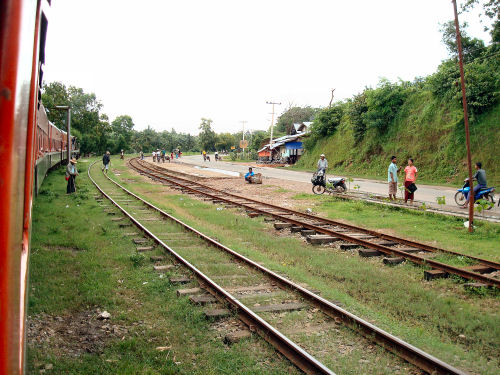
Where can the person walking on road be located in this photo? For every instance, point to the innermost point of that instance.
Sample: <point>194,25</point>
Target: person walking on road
<point>410,179</point>
<point>392,178</point>
<point>71,173</point>
<point>322,163</point>
<point>122,154</point>
<point>106,160</point>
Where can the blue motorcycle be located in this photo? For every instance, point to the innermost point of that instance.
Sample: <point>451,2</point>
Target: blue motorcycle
<point>486,193</point>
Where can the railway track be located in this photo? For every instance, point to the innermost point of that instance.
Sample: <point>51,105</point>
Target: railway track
<point>322,230</point>
<point>229,279</point>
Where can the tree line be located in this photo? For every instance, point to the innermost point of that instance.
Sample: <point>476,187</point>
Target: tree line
<point>96,133</point>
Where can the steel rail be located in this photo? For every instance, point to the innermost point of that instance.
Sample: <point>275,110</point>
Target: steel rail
<point>283,344</point>
<point>384,249</point>
<point>384,236</point>
<point>390,342</point>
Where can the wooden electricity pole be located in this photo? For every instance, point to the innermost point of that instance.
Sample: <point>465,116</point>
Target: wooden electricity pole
<point>466,117</point>
<point>272,123</point>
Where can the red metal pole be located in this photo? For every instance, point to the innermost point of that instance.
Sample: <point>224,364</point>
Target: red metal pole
<point>466,117</point>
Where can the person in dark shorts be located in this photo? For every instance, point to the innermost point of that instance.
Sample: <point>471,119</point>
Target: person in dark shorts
<point>106,160</point>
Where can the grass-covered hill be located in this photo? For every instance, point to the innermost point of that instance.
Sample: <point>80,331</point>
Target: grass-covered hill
<point>426,128</point>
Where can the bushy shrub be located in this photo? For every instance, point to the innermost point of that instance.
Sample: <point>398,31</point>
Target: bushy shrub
<point>383,104</point>
<point>356,109</point>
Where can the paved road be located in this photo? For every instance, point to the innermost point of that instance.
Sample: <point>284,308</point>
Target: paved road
<point>425,193</point>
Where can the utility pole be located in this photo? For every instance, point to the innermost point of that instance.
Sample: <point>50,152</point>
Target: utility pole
<point>272,122</point>
<point>243,135</point>
<point>466,117</point>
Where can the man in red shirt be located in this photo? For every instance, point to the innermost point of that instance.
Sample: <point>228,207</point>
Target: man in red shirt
<point>410,178</point>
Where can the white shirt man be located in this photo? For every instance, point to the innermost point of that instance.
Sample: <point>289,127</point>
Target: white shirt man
<point>322,163</point>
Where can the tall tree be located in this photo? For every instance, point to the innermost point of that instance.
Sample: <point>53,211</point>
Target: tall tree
<point>295,115</point>
<point>207,136</point>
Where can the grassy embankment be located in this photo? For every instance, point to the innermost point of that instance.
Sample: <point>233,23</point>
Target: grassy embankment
<point>80,262</point>
<point>457,326</point>
<point>427,130</point>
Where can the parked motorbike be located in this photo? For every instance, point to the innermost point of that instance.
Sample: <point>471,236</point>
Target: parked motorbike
<point>486,193</point>
<point>331,185</point>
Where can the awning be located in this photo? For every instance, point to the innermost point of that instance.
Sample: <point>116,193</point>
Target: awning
<point>293,145</point>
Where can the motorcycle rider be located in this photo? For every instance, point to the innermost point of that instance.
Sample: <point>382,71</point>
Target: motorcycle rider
<point>480,177</point>
<point>322,163</point>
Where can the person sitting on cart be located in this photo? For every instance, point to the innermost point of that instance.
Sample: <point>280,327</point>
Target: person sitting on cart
<point>249,175</point>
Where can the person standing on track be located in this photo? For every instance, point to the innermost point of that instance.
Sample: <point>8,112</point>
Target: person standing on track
<point>71,173</point>
<point>392,178</point>
<point>410,179</point>
<point>106,160</point>
<point>142,155</point>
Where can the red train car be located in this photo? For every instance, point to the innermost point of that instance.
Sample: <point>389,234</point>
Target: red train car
<point>26,138</point>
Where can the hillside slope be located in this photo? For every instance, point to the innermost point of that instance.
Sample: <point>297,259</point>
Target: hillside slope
<point>425,129</point>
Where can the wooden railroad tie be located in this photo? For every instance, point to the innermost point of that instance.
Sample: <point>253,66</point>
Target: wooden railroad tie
<point>179,280</point>
<point>163,268</point>
<point>144,248</point>
<point>318,239</point>
<point>188,292</point>
<point>237,336</point>
<point>393,261</point>
<point>367,253</point>
<point>434,274</point>
<point>281,225</point>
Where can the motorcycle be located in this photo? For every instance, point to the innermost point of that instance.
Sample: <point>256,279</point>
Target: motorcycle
<point>332,185</point>
<point>486,193</point>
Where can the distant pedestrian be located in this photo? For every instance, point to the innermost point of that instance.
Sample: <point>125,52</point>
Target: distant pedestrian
<point>410,179</point>
<point>180,154</point>
<point>163,156</point>
<point>121,154</point>
<point>172,155</point>
<point>106,160</point>
<point>204,155</point>
<point>142,155</point>
<point>71,173</point>
<point>154,156</point>
<point>392,178</point>
<point>216,156</point>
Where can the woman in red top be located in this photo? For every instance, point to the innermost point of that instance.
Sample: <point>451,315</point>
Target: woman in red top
<point>410,178</point>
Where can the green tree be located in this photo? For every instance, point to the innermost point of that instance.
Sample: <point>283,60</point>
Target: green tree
<point>225,141</point>
<point>207,136</point>
<point>295,115</point>
<point>383,104</point>
<point>123,125</point>
<point>472,47</point>
<point>356,110</point>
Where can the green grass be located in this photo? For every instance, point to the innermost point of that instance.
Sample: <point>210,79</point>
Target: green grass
<point>440,317</point>
<point>80,261</point>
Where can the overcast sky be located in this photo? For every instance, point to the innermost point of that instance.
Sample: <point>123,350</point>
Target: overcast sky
<point>168,63</point>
